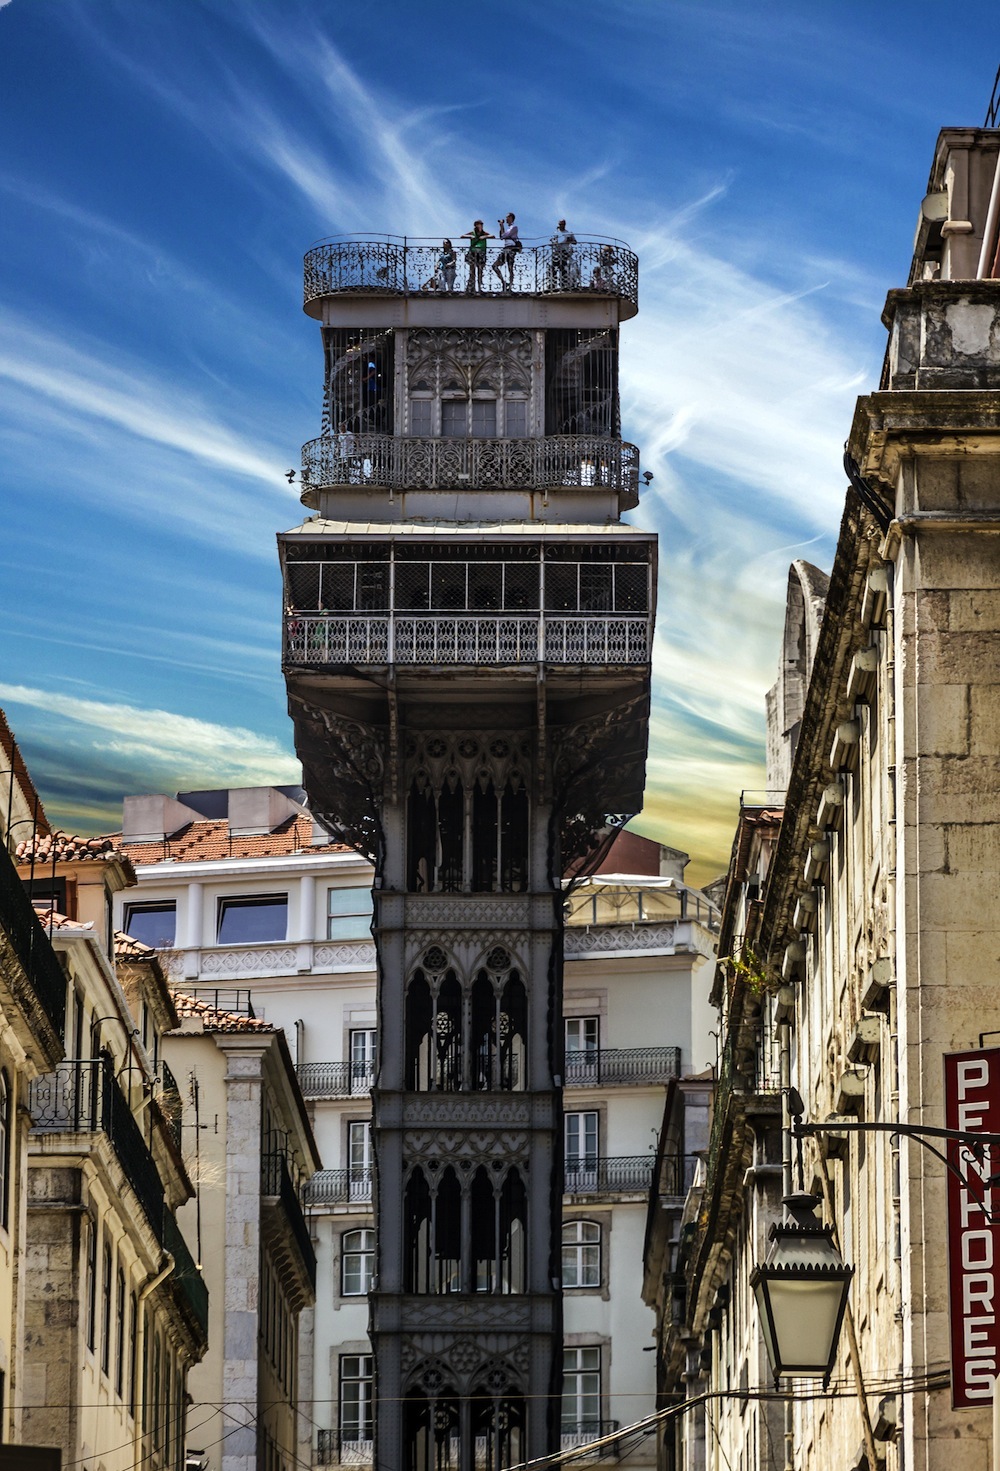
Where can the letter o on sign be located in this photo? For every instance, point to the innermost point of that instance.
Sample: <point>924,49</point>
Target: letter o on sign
<point>984,1241</point>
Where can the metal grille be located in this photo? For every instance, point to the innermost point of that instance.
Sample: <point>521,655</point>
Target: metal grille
<point>469,640</point>
<point>359,380</point>
<point>397,267</point>
<point>581,381</point>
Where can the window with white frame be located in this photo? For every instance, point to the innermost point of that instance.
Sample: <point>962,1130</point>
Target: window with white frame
<point>355,1398</point>
<point>582,1033</point>
<point>363,1047</point>
<point>581,1400</point>
<point>357,1262</point>
<point>581,1254</point>
<point>348,914</point>
<point>581,1149</point>
<point>359,1156</point>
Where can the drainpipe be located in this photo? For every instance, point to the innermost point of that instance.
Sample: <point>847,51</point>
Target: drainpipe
<point>140,1326</point>
<point>785,1080</point>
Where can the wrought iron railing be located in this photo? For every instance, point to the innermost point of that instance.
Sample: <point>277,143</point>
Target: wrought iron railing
<point>576,1434</point>
<point>442,463</point>
<point>170,1102</point>
<point>429,639</point>
<point>399,267</point>
<point>677,1173</point>
<point>83,1096</point>
<point>339,1187</point>
<point>234,999</point>
<point>611,1066</point>
<point>34,950</point>
<point>335,1448</point>
<point>335,1079</point>
<point>276,1180</point>
<point>625,1175</point>
<point>185,1275</point>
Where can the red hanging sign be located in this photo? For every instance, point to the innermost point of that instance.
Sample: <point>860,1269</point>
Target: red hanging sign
<point>972,1104</point>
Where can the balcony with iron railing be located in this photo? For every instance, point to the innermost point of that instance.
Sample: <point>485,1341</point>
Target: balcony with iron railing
<point>186,1277</point>
<point>31,944</point>
<point>615,1067</point>
<point>339,1187</point>
<point>403,266</point>
<point>336,1079</point>
<point>622,1175</point>
<point>397,462</point>
<point>277,1184</point>
<point>339,1448</point>
<point>430,640</point>
<point>576,1435</point>
<point>82,1096</point>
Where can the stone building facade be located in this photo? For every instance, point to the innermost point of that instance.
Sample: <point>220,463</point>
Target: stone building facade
<point>869,948</point>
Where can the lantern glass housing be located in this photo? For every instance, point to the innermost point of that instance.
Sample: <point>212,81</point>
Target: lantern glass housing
<point>801,1292</point>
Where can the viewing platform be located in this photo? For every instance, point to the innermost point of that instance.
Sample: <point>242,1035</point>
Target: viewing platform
<point>400,266</point>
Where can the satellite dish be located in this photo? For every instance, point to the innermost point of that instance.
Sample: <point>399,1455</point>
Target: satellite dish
<point>935,207</point>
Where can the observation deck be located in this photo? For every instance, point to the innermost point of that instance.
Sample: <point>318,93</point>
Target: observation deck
<point>596,270</point>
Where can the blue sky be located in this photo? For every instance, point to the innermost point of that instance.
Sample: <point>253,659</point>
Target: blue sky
<point>164,166</point>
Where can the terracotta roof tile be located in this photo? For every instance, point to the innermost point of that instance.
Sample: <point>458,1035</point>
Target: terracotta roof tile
<point>47,916</point>
<point>215,1020</point>
<point>129,948</point>
<point>68,847</point>
<point>211,839</point>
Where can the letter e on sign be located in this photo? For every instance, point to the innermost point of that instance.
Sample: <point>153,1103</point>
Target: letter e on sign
<point>972,1104</point>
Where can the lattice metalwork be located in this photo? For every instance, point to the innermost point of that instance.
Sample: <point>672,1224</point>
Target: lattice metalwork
<point>433,640</point>
<point>399,267</point>
<point>581,381</point>
<point>359,380</point>
<point>437,463</point>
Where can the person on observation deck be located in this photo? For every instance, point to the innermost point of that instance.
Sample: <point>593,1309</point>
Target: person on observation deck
<point>563,272</point>
<point>511,248</point>
<point>446,266</point>
<point>476,255</point>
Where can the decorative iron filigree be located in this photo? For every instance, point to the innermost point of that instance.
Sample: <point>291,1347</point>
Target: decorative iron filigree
<point>598,776</point>
<point>343,770</point>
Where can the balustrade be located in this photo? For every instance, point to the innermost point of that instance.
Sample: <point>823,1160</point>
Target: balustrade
<point>31,944</point>
<point>429,639</point>
<point>411,463</point>
<point>609,1066</point>
<point>625,1175</point>
<point>339,1187</point>
<point>335,1079</point>
<point>399,267</point>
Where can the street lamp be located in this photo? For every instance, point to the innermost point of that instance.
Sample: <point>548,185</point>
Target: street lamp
<point>801,1292</point>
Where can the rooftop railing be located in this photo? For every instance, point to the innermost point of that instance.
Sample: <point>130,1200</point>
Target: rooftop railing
<point>427,639</point>
<point>83,1096</point>
<point>399,266</point>
<point>31,944</point>
<point>441,463</point>
<point>614,1066</point>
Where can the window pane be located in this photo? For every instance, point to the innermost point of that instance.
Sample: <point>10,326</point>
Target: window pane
<point>484,417</point>
<point>420,416</point>
<point>358,1261</point>
<point>152,924</point>
<point>249,921</point>
<point>516,418</point>
<point>349,914</point>
<point>356,1397</point>
<point>455,418</point>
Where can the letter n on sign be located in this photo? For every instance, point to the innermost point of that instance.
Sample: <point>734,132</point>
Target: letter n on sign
<point>972,1104</point>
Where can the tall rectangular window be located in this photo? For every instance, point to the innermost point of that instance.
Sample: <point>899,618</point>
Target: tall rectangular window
<point>120,1333</point>
<point>455,418</point>
<point>90,1284</point>
<point>359,1151</point>
<point>515,414</point>
<point>348,914</point>
<point>107,1288</point>
<point>363,1046</point>
<point>581,1401</point>
<point>484,418</point>
<point>357,1262</point>
<point>253,920</point>
<point>581,1145</point>
<point>152,924</point>
<point>355,1397</point>
<point>421,417</point>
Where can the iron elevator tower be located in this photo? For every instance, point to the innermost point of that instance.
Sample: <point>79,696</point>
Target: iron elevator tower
<point>467,636</point>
